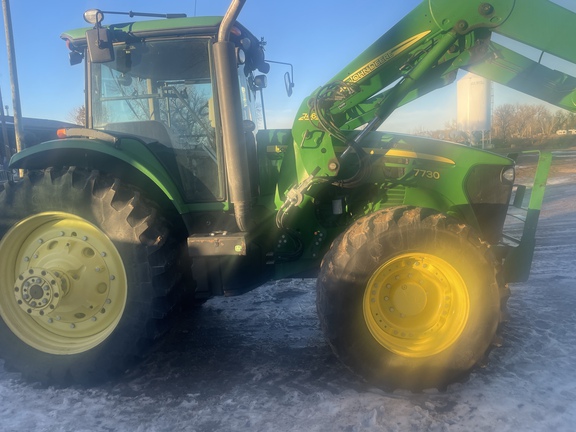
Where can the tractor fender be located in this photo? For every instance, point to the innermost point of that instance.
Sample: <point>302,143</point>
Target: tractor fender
<point>131,162</point>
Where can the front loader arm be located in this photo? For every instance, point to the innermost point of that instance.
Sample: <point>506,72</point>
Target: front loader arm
<point>515,71</point>
<point>542,25</point>
<point>423,52</point>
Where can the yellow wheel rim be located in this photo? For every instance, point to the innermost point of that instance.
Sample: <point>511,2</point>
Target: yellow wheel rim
<point>62,283</point>
<point>416,305</point>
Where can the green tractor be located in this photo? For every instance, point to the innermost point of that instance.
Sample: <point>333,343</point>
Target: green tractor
<point>170,196</point>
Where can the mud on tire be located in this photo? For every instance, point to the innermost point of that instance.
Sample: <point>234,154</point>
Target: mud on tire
<point>88,276</point>
<point>410,298</point>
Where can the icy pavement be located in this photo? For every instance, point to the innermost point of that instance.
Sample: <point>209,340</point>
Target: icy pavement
<point>258,362</point>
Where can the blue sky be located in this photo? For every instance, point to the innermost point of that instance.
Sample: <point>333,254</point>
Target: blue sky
<point>318,37</point>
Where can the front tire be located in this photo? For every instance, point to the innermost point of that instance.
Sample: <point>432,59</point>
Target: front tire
<point>88,270</point>
<point>410,298</point>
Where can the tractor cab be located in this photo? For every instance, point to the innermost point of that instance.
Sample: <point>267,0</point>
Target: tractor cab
<point>156,80</point>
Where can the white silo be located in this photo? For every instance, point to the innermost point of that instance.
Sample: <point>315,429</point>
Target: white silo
<point>474,108</point>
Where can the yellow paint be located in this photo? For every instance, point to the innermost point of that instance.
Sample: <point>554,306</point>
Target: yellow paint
<point>384,58</point>
<point>415,155</point>
<point>416,305</point>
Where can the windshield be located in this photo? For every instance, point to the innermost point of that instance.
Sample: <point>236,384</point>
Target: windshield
<point>162,91</point>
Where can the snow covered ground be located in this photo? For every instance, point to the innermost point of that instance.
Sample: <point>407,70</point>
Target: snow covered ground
<point>258,362</point>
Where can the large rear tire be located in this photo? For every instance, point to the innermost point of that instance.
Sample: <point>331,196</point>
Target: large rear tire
<point>410,298</point>
<point>88,271</point>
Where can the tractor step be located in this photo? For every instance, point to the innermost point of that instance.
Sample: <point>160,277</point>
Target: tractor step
<point>221,243</point>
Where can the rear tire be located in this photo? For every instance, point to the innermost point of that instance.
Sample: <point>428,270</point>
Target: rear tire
<point>410,298</point>
<point>88,271</point>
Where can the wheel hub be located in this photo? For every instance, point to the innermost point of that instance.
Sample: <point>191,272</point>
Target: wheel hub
<point>38,291</point>
<point>416,304</point>
<point>410,299</point>
<point>63,283</point>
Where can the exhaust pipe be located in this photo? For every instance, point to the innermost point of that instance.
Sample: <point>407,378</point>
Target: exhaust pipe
<point>231,16</point>
<point>235,155</point>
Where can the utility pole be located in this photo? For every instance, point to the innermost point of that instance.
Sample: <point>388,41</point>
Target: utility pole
<point>6,151</point>
<point>17,112</point>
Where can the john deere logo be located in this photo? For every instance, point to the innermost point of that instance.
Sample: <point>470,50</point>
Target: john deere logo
<point>382,59</point>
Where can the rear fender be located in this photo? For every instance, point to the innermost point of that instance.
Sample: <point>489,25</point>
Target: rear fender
<point>131,161</point>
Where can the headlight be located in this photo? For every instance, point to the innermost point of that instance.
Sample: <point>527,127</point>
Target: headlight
<point>93,16</point>
<point>508,175</point>
<point>240,56</point>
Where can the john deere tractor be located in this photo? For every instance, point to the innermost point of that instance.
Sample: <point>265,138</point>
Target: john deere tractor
<point>171,195</point>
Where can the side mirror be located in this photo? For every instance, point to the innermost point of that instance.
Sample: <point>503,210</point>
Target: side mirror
<point>100,48</point>
<point>288,77</point>
<point>289,83</point>
<point>98,39</point>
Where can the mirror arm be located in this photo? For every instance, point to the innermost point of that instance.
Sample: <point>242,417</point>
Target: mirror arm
<point>288,76</point>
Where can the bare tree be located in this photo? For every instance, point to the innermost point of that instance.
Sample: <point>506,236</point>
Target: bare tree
<point>78,115</point>
<point>525,122</point>
<point>503,121</point>
<point>545,120</point>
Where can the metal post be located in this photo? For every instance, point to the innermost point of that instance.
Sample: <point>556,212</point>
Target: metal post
<point>13,76</point>
<point>263,108</point>
<point>7,152</point>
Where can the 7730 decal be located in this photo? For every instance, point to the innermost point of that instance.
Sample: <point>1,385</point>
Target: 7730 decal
<point>433,175</point>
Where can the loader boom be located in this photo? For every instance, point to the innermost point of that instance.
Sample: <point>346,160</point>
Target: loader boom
<point>423,52</point>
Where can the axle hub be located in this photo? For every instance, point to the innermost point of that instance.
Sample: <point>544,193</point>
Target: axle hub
<point>38,291</point>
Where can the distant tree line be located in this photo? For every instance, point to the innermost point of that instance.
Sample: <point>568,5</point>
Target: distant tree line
<point>516,125</point>
<point>524,121</point>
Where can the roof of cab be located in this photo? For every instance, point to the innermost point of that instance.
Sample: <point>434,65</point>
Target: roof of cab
<point>168,27</point>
